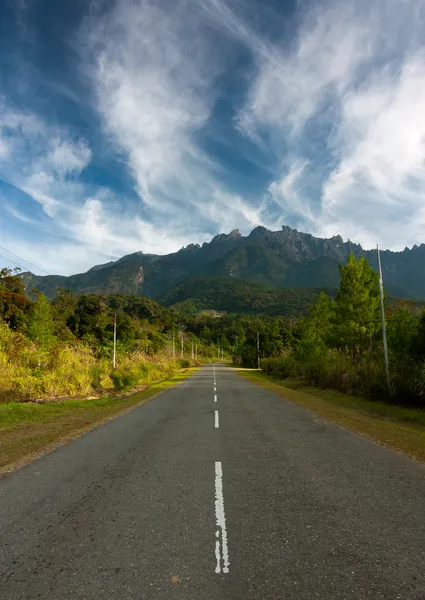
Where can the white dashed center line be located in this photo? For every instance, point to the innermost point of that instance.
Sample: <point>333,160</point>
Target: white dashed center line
<point>216,424</point>
<point>215,397</point>
<point>221,550</point>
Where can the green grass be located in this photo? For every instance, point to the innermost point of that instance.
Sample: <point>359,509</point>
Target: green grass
<point>396,427</point>
<point>28,430</point>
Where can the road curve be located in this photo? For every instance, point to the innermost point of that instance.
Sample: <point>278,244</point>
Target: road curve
<point>215,490</point>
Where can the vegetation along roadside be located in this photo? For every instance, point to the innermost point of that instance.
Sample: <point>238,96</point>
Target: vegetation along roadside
<point>29,430</point>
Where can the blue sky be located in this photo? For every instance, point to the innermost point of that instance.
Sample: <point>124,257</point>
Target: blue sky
<point>150,124</point>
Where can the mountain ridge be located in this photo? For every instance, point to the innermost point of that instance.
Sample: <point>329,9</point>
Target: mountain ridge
<point>272,258</point>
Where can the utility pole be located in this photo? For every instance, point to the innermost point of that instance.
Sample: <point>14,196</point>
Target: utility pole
<point>192,349</point>
<point>174,346</point>
<point>196,351</point>
<point>115,340</point>
<point>258,350</point>
<point>182,348</point>
<point>384,330</point>
<point>218,352</point>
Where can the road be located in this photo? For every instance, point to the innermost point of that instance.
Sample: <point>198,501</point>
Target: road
<point>215,492</point>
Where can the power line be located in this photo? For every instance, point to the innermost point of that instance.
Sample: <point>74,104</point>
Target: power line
<point>9,260</point>
<point>20,258</point>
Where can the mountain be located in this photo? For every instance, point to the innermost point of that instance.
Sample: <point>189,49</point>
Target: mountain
<point>272,258</point>
<point>233,295</point>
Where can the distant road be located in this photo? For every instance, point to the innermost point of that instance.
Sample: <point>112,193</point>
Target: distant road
<point>225,494</point>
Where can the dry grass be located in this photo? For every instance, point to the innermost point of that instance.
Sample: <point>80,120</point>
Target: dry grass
<point>398,428</point>
<point>29,430</point>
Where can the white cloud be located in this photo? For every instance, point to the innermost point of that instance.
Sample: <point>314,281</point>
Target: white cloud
<point>381,176</point>
<point>4,150</point>
<point>154,94</point>
<point>293,84</point>
<point>337,105</point>
<point>68,158</point>
<point>155,72</point>
<point>287,192</point>
<point>346,96</point>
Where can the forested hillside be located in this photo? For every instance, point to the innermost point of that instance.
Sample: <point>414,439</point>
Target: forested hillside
<point>233,295</point>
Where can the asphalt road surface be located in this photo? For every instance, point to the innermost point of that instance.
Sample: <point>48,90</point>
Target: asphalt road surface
<point>215,494</point>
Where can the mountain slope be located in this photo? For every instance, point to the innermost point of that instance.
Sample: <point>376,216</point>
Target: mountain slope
<point>239,296</point>
<point>273,258</point>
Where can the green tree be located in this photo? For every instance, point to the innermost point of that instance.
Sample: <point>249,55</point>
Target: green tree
<point>13,302</point>
<point>206,334</point>
<point>92,320</point>
<point>356,314</point>
<point>10,281</point>
<point>402,332</point>
<point>40,323</point>
<point>417,344</point>
<point>63,308</point>
<point>316,326</point>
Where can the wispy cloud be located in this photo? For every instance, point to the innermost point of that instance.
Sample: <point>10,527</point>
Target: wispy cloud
<point>155,70</point>
<point>345,94</point>
<point>335,103</point>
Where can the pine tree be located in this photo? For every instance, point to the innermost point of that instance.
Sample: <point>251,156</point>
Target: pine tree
<point>356,316</point>
<point>316,326</point>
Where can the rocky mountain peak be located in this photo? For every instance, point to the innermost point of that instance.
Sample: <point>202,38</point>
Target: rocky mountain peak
<point>276,258</point>
<point>259,232</point>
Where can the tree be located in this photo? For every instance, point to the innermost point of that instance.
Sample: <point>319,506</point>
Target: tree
<point>40,324</point>
<point>63,306</point>
<point>356,316</point>
<point>316,326</point>
<point>91,318</point>
<point>10,281</point>
<point>404,333</point>
<point>417,344</point>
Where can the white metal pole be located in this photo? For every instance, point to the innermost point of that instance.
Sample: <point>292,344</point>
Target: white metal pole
<point>384,330</point>
<point>115,340</point>
<point>258,350</point>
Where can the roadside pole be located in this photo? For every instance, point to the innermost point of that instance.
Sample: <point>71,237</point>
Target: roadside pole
<point>384,330</point>
<point>174,347</point>
<point>192,349</point>
<point>182,348</point>
<point>258,350</point>
<point>115,340</point>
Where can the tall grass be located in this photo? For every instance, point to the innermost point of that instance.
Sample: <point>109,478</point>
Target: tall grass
<point>363,376</point>
<point>28,372</point>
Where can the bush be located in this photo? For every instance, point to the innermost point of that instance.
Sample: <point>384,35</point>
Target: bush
<point>334,369</point>
<point>28,372</point>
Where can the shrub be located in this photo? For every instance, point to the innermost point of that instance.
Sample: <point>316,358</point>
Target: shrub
<point>335,369</point>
